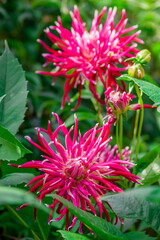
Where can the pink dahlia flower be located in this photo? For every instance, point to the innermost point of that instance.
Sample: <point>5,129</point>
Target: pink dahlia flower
<point>81,169</point>
<point>95,55</point>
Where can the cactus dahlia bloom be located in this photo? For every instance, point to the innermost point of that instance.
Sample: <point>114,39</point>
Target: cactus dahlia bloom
<point>85,167</point>
<point>95,55</point>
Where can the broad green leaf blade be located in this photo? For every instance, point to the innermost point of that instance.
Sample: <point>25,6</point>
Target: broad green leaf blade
<point>14,179</point>
<point>125,77</point>
<point>10,147</point>
<point>14,86</point>
<point>15,196</point>
<point>12,196</point>
<point>151,174</point>
<point>80,116</point>
<point>73,236</point>
<point>138,236</point>
<point>101,227</point>
<point>135,204</point>
<point>149,157</point>
<point>151,90</point>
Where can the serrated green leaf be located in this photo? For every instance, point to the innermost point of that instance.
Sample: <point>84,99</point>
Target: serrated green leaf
<point>73,236</point>
<point>151,174</point>
<point>101,227</point>
<point>14,179</point>
<point>135,204</point>
<point>10,147</point>
<point>151,90</point>
<point>14,86</point>
<point>80,116</point>
<point>138,236</point>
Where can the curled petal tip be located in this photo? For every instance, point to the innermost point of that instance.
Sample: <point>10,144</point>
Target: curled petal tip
<point>38,72</point>
<point>54,114</point>
<point>47,30</point>
<point>28,138</point>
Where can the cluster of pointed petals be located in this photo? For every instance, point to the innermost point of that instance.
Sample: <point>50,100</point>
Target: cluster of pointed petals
<point>84,168</point>
<point>93,56</point>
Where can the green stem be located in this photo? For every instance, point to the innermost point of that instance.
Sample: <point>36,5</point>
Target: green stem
<point>121,130</point>
<point>140,125</point>
<point>117,138</point>
<point>41,230</point>
<point>135,132</point>
<point>122,225</point>
<point>23,222</point>
<point>0,168</point>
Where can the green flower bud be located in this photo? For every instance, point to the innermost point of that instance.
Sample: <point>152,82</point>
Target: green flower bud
<point>144,56</point>
<point>136,71</point>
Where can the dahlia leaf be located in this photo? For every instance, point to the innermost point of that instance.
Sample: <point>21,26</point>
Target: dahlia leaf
<point>138,236</point>
<point>151,173</point>
<point>10,147</point>
<point>151,90</point>
<point>14,86</point>
<point>12,196</point>
<point>101,227</point>
<point>149,157</point>
<point>73,236</point>
<point>14,179</point>
<point>137,203</point>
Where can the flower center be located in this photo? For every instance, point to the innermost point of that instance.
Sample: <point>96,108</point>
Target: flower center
<point>76,168</point>
<point>88,43</point>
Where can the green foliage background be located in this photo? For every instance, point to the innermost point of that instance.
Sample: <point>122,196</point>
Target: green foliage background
<point>21,23</point>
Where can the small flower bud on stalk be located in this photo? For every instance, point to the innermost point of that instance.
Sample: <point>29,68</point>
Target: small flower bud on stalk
<point>116,103</point>
<point>144,56</point>
<point>136,71</point>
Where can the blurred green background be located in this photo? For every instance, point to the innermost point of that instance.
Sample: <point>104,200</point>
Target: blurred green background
<point>22,22</point>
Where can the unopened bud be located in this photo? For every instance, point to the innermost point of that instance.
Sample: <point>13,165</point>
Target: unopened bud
<point>117,103</point>
<point>144,56</point>
<point>136,71</point>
